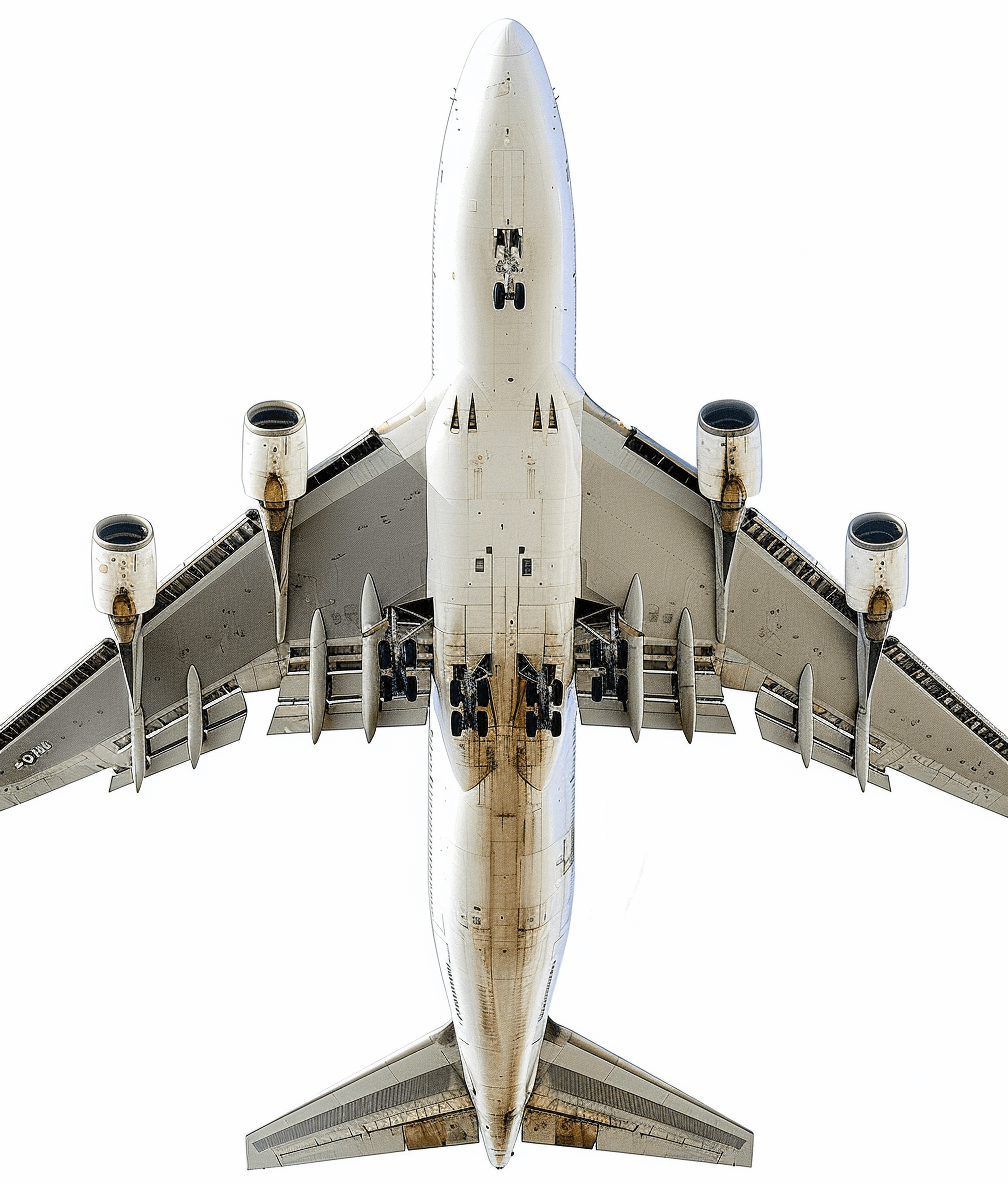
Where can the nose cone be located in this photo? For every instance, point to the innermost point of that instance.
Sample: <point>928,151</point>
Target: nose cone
<point>504,39</point>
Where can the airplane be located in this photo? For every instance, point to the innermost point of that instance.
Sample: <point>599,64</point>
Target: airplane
<point>507,310</point>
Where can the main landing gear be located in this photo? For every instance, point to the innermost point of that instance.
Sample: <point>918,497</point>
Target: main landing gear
<point>469,695</point>
<point>543,693</point>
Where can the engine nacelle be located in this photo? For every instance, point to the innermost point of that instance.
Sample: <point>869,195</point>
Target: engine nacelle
<point>877,566</point>
<point>275,453</point>
<point>123,570</point>
<point>729,456</point>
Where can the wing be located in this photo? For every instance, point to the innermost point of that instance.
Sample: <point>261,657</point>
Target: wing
<point>643,514</point>
<point>585,1096</point>
<point>417,1098</point>
<point>364,511</point>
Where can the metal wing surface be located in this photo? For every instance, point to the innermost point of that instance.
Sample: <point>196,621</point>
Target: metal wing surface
<point>643,513</point>
<point>585,1096</point>
<point>364,511</point>
<point>417,1098</point>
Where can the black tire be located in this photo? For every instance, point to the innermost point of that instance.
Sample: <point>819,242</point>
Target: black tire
<point>622,689</point>
<point>595,652</point>
<point>384,655</point>
<point>556,724</point>
<point>557,692</point>
<point>456,723</point>
<point>411,688</point>
<point>409,654</point>
<point>531,697</point>
<point>482,724</point>
<point>622,651</point>
<point>386,688</point>
<point>597,689</point>
<point>454,693</point>
<point>483,693</point>
<point>531,724</point>
<point>519,297</point>
<point>498,296</point>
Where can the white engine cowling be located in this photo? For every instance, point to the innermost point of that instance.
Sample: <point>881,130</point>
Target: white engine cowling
<point>877,566</point>
<point>729,453</point>
<point>275,453</point>
<point>123,566</point>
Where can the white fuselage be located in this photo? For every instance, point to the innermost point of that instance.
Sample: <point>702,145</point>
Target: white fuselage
<point>504,524</point>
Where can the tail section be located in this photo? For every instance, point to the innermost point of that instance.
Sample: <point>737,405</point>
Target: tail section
<point>585,1096</point>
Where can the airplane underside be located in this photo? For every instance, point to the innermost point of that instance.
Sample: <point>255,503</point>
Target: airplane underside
<point>524,563</point>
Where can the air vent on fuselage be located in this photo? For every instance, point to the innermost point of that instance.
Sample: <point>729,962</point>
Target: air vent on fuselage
<point>549,983</point>
<point>451,983</point>
<point>430,820</point>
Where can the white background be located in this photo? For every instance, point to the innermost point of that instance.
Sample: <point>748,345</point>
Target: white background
<point>206,205</point>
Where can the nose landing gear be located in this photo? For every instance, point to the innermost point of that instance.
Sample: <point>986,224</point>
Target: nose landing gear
<point>507,253</point>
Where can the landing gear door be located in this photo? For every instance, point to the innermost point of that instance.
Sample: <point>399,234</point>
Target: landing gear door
<point>507,188</point>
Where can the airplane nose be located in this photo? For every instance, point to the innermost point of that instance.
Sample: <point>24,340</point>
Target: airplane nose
<point>505,39</point>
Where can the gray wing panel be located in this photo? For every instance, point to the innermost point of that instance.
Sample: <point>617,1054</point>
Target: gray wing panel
<point>584,1096</point>
<point>787,611</point>
<point>64,734</point>
<point>642,513</point>
<point>417,1098</point>
<point>647,520</point>
<point>364,510</point>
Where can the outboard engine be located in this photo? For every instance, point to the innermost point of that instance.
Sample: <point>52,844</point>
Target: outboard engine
<point>876,580</point>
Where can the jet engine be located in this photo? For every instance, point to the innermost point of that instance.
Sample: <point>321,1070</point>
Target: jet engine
<point>123,570</point>
<point>729,470</point>
<point>124,585</point>
<point>729,457</point>
<point>877,567</point>
<point>275,457</point>
<point>275,473</point>
<point>876,576</point>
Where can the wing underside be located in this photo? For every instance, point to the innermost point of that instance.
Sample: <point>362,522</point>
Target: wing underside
<point>643,514</point>
<point>364,512</point>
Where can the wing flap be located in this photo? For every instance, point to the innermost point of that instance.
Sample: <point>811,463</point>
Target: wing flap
<point>584,1096</point>
<point>224,713</point>
<point>343,684</point>
<point>661,693</point>
<point>832,739</point>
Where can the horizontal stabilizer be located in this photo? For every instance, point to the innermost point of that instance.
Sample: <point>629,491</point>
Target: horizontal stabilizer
<point>417,1098</point>
<point>586,1097</point>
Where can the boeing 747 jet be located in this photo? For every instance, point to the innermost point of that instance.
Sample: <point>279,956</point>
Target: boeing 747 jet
<point>501,563</point>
